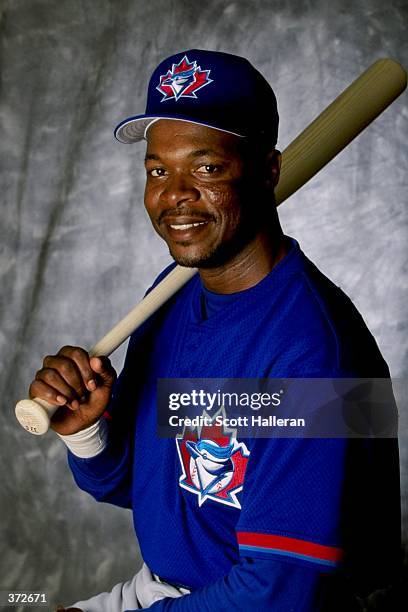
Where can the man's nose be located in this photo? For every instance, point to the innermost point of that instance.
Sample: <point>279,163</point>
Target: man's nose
<point>179,188</point>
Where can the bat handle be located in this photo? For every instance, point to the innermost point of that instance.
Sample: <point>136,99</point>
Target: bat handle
<point>35,415</point>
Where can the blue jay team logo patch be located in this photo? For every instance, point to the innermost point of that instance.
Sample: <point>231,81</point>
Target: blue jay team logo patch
<point>183,80</point>
<point>213,463</point>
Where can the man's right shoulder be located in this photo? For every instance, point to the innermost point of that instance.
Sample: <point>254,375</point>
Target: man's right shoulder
<point>161,276</point>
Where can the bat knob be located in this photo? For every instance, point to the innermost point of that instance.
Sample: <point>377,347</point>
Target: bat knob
<point>34,415</point>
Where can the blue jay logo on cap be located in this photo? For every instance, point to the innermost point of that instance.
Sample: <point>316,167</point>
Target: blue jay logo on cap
<point>183,80</point>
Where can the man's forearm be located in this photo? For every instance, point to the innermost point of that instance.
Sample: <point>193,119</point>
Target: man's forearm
<point>107,475</point>
<point>258,584</point>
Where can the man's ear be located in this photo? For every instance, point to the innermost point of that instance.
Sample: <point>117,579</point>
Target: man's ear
<point>273,165</point>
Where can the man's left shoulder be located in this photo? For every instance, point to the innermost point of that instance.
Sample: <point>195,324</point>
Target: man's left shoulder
<point>326,309</point>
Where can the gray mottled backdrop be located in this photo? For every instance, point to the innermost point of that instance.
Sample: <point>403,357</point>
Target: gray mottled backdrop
<point>76,246</point>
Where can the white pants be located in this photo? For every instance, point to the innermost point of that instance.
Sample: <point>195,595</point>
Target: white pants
<point>136,594</point>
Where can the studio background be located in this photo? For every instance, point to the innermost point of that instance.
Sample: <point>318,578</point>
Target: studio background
<point>77,248</point>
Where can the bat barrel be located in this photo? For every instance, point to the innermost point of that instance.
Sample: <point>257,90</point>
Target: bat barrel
<point>352,111</point>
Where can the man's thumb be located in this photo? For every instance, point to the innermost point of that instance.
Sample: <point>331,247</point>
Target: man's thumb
<point>103,367</point>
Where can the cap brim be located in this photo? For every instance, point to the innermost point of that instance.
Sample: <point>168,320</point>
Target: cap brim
<point>133,129</point>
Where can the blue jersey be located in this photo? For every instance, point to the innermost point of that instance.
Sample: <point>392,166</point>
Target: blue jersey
<point>288,520</point>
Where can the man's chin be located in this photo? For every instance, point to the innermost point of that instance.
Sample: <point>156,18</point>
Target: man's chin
<point>191,261</point>
<point>213,259</point>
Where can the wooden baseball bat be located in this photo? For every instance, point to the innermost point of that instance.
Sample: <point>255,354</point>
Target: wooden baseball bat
<point>352,111</point>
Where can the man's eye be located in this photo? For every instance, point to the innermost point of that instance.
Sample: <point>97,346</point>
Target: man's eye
<point>208,169</point>
<point>156,172</point>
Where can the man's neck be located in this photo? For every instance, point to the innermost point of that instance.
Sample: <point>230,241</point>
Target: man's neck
<point>248,267</point>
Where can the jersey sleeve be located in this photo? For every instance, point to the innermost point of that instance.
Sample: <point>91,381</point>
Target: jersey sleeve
<point>291,505</point>
<point>293,489</point>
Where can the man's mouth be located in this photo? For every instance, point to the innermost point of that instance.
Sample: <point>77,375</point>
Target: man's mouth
<point>184,226</point>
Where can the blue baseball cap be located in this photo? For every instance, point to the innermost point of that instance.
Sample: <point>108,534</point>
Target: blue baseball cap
<point>218,90</point>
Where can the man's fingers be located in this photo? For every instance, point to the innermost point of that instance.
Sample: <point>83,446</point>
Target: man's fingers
<point>63,368</point>
<point>40,389</point>
<point>63,375</point>
<point>81,359</point>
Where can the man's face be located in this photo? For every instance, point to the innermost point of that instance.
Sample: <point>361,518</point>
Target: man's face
<point>202,192</point>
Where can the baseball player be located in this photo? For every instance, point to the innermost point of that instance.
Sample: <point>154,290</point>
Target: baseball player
<point>257,524</point>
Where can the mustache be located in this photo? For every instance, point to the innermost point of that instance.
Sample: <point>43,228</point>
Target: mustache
<point>185,212</point>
